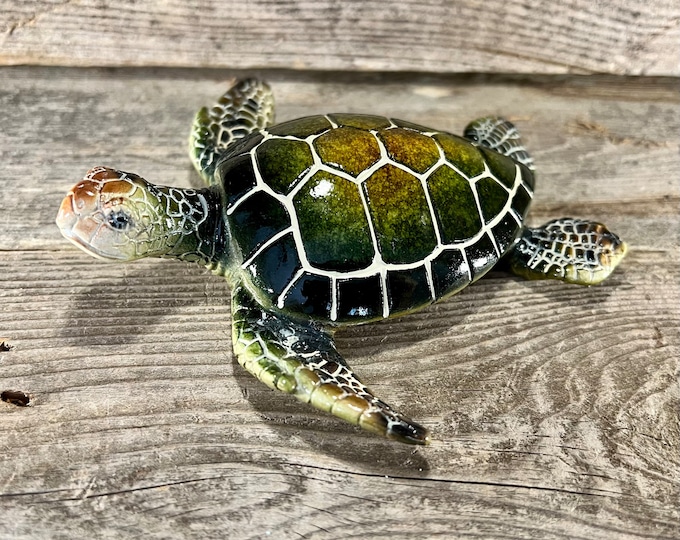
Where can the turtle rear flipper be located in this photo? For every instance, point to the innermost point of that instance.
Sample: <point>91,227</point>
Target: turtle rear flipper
<point>500,135</point>
<point>301,359</point>
<point>243,109</point>
<point>567,249</point>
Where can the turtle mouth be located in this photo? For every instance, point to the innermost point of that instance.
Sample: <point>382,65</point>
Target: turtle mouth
<point>67,218</point>
<point>80,228</point>
<point>90,249</point>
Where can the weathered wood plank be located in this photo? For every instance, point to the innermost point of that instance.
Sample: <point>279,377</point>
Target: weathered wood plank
<point>554,408</point>
<point>621,37</point>
<point>586,135</point>
<point>555,413</point>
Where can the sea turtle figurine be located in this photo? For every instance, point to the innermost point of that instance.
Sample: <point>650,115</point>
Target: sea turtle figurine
<point>332,220</point>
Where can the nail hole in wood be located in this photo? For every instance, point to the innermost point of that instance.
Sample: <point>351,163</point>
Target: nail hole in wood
<point>16,397</point>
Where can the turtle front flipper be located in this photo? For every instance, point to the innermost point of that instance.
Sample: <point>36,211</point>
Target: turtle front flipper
<point>500,135</point>
<point>300,358</point>
<point>572,250</point>
<point>243,109</point>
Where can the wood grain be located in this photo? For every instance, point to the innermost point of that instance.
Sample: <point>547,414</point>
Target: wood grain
<point>554,408</point>
<point>631,37</point>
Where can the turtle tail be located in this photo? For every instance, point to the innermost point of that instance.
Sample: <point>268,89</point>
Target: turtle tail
<point>245,108</point>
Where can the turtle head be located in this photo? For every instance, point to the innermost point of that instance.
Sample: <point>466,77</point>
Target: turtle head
<point>110,215</point>
<point>119,216</point>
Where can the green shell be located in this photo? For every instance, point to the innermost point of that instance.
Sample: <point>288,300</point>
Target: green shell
<point>349,218</point>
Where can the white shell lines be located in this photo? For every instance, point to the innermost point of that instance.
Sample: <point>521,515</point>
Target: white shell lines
<point>377,266</point>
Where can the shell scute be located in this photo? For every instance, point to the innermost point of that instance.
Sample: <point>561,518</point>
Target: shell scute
<point>275,266</point>
<point>349,149</point>
<point>360,121</point>
<point>359,299</point>
<point>408,289</point>
<point>333,223</point>
<point>418,152</point>
<point>284,162</point>
<point>450,272</point>
<point>256,220</point>
<point>521,200</point>
<point>310,295</point>
<point>482,255</point>
<point>502,167</point>
<point>237,176</point>
<point>401,215</point>
<point>410,126</point>
<point>505,232</point>
<point>492,198</point>
<point>454,205</point>
<point>460,152</point>
<point>245,145</point>
<point>301,127</point>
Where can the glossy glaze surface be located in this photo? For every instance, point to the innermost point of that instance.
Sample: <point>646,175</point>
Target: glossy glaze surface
<point>349,218</point>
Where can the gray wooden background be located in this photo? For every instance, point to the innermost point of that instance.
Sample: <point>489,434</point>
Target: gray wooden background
<point>554,408</point>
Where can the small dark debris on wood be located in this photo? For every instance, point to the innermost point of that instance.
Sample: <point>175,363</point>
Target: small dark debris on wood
<point>16,397</point>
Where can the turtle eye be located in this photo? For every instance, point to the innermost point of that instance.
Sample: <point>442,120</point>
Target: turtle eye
<point>119,220</point>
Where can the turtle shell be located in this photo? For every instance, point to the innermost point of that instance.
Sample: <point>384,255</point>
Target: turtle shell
<point>349,218</point>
